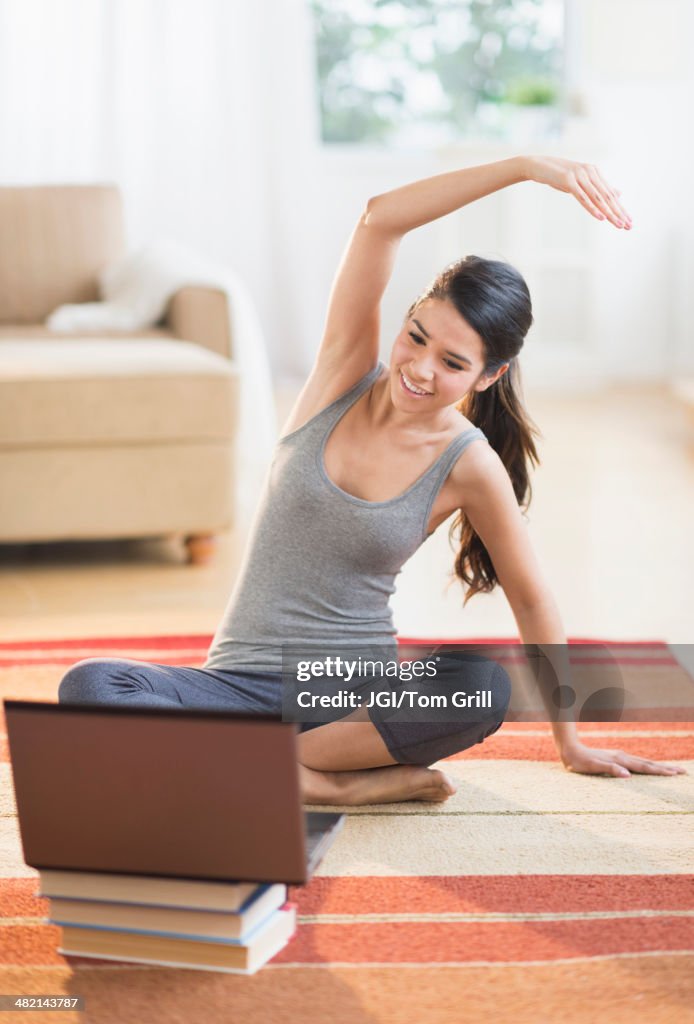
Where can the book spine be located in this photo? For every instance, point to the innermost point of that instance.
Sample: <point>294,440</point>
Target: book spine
<point>203,925</point>
<point>157,963</point>
<point>70,947</point>
<point>173,892</point>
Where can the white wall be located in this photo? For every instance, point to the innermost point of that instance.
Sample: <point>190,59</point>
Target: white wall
<point>204,111</point>
<point>630,62</point>
<point>639,83</point>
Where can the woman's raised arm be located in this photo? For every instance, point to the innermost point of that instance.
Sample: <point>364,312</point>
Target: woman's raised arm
<point>352,322</point>
<point>350,341</point>
<point>410,206</point>
<point>350,337</point>
<point>349,346</point>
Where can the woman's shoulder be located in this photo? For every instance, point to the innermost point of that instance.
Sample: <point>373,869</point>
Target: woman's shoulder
<point>461,426</point>
<point>461,423</point>
<point>477,459</point>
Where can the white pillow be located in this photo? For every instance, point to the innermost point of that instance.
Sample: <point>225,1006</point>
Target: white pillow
<point>136,290</point>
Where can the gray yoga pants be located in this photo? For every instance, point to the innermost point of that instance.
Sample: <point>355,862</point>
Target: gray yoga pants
<point>143,684</point>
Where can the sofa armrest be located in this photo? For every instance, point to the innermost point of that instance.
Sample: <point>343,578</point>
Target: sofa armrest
<point>200,313</point>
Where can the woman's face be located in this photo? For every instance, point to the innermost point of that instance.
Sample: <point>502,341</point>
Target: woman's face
<point>436,359</point>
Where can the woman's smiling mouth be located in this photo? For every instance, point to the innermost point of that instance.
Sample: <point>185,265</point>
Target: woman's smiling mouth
<point>412,389</point>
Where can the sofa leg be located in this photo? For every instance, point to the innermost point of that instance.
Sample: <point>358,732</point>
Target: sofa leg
<point>200,547</point>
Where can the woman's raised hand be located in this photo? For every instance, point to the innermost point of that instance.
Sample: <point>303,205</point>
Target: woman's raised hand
<point>584,181</point>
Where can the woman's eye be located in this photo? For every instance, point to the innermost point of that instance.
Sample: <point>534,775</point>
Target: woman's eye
<point>419,340</point>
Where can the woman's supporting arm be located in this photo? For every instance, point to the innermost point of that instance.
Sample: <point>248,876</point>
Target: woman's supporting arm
<point>540,625</point>
<point>488,501</point>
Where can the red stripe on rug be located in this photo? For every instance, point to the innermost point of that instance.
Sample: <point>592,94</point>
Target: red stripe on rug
<point>650,653</point>
<point>440,894</point>
<point>542,748</point>
<point>506,894</point>
<point>165,659</point>
<point>605,726</point>
<point>171,642</point>
<point>197,661</point>
<point>205,639</point>
<point>516,640</point>
<point>651,718</point>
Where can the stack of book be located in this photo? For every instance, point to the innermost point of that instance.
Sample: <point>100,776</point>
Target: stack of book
<point>234,927</point>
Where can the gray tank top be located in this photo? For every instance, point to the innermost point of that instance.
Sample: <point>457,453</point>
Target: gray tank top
<point>320,564</point>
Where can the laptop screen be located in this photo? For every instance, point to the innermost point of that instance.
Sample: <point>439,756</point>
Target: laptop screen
<point>183,793</point>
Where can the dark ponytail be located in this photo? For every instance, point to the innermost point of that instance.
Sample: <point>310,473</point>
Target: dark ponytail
<point>500,414</point>
<point>494,300</point>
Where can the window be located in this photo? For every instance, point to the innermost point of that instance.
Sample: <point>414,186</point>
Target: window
<point>430,72</point>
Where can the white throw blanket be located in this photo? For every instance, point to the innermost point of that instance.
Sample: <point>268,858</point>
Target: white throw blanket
<point>136,291</point>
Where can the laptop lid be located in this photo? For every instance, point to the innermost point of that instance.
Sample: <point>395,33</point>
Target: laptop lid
<point>174,792</point>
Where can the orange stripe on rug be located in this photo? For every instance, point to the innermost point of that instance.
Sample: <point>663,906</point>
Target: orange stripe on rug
<point>421,942</point>
<point>495,941</point>
<point>630,990</point>
<point>634,989</point>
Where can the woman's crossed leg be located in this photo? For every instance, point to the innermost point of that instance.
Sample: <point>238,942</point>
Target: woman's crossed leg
<point>351,761</point>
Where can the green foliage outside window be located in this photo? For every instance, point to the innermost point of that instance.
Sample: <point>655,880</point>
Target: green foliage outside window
<point>404,71</point>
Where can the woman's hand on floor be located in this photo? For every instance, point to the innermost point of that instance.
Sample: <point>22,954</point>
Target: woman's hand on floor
<point>584,181</point>
<point>592,761</point>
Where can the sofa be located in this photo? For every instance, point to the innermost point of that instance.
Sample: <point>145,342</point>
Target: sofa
<point>108,434</point>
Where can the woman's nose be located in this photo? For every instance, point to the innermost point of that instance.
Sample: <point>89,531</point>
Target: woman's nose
<point>421,369</point>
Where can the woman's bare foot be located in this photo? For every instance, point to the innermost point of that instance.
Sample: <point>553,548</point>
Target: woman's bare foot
<point>389,784</point>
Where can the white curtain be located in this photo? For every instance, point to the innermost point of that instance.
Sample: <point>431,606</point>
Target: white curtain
<point>203,111</point>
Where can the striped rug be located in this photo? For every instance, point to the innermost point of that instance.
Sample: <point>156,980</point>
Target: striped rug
<point>533,895</point>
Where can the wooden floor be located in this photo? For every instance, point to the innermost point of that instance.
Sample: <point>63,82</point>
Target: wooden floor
<point>611,520</point>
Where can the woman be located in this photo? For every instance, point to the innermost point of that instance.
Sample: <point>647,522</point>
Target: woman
<point>371,461</point>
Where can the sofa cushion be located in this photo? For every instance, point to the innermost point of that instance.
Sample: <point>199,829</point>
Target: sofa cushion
<point>18,332</point>
<point>96,391</point>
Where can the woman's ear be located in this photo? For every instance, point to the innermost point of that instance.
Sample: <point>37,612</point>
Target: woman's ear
<point>486,380</point>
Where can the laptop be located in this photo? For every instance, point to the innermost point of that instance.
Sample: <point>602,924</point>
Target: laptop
<point>193,793</point>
